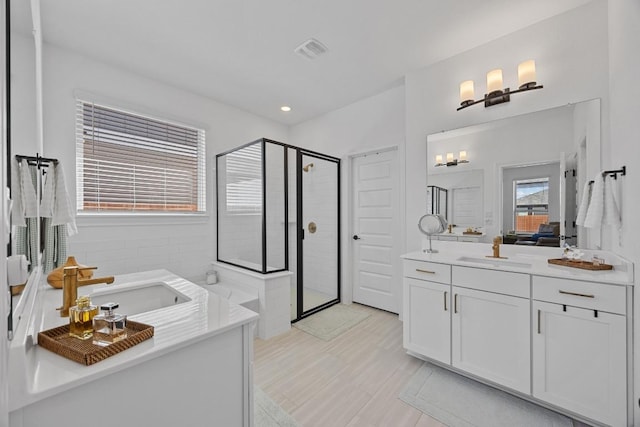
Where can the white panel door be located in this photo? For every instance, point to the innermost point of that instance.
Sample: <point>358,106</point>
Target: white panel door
<point>427,319</point>
<point>579,361</point>
<point>490,337</point>
<point>376,231</point>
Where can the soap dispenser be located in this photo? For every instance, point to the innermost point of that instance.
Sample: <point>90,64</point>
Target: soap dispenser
<point>81,318</point>
<point>109,327</point>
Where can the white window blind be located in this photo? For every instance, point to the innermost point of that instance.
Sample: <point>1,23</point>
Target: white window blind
<point>244,180</point>
<point>126,162</point>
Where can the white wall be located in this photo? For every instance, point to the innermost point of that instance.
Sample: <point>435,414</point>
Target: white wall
<point>123,245</point>
<point>564,48</point>
<point>23,96</point>
<point>624,69</point>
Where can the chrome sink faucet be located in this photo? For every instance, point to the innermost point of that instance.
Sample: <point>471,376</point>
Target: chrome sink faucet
<point>71,283</point>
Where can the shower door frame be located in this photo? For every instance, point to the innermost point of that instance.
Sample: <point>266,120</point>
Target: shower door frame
<point>300,312</point>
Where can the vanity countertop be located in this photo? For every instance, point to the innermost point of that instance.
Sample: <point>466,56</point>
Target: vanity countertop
<point>36,373</point>
<point>525,260</point>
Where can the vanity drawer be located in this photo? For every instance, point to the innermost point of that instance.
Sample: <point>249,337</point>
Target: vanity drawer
<point>596,296</point>
<point>502,282</point>
<point>424,270</point>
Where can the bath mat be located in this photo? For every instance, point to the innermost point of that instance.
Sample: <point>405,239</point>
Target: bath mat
<point>458,401</point>
<point>267,413</point>
<point>331,322</point>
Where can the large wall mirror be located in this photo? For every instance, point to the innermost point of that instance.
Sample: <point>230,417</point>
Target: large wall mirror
<point>520,177</point>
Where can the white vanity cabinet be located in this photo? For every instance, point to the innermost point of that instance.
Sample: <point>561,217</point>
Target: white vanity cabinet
<point>534,330</point>
<point>580,347</point>
<point>428,303</point>
<point>490,330</point>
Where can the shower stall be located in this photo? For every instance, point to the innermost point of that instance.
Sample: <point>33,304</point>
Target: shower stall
<point>278,209</point>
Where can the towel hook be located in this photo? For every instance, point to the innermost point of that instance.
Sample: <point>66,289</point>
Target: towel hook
<point>614,173</point>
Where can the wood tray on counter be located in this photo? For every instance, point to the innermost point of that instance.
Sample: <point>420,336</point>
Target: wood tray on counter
<point>58,341</point>
<point>472,233</point>
<point>585,265</point>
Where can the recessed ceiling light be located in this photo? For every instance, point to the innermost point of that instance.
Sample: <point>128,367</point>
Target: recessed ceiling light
<point>285,108</point>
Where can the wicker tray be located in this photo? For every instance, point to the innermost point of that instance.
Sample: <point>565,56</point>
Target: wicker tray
<point>472,233</point>
<point>585,265</point>
<point>58,341</point>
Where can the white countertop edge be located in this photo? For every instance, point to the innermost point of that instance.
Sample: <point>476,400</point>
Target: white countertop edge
<point>70,374</point>
<point>622,274</point>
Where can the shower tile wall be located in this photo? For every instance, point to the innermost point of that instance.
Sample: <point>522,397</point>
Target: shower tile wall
<point>320,197</point>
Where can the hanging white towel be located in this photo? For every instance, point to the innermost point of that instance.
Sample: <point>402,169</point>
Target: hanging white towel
<point>62,211</point>
<point>29,200</point>
<point>17,270</point>
<point>596,203</point>
<point>611,215</point>
<point>584,204</point>
<point>48,192</point>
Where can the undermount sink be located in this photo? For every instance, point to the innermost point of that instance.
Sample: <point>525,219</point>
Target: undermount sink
<point>139,299</point>
<point>498,262</point>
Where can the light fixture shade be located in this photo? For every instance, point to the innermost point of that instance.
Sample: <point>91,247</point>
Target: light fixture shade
<point>527,73</point>
<point>463,156</point>
<point>494,81</point>
<point>467,92</point>
<point>449,157</point>
<point>438,159</point>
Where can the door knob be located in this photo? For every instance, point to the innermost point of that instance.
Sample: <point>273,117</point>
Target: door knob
<point>356,237</point>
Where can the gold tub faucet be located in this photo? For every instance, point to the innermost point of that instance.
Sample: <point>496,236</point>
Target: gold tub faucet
<point>71,283</point>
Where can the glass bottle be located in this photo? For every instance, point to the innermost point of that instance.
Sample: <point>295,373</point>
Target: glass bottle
<point>109,326</point>
<point>81,318</point>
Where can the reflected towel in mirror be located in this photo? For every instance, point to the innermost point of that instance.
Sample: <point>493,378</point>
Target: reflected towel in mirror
<point>584,204</point>
<point>596,203</point>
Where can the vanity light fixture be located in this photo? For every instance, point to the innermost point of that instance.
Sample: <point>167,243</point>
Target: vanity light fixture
<point>495,92</point>
<point>451,161</point>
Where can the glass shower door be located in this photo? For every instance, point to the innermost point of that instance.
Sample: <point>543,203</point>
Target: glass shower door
<point>319,232</point>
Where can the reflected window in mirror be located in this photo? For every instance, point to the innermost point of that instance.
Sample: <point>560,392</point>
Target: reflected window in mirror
<point>531,204</point>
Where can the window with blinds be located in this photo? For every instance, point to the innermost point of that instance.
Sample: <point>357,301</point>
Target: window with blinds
<point>126,162</point>
<point>244,180</point>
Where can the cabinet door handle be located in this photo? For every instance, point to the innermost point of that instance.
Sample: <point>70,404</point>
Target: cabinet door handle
<point>576,294</point>
<point>538,321</point>
<point>425,271</point>
<point>445,300</point>
<point>455,303</point>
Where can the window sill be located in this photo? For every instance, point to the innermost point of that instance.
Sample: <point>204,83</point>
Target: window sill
<point>124,219</point>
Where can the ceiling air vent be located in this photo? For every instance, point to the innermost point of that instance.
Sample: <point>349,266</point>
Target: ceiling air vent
<point>311,49</point>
